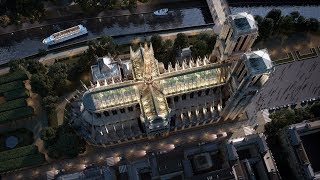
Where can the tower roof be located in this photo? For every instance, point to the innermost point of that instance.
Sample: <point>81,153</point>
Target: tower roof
<point>243,22</point>
<point>258,61</point>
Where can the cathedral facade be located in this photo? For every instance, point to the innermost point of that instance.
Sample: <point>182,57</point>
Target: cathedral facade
<point>140,98</point>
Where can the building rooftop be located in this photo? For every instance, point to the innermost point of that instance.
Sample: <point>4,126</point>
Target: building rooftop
<point>258,61</point>
<point>243,23</point>
<point>106,68</point>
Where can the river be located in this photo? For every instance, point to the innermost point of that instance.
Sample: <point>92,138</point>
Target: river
<point>27,42</point>
<point>24,43</point>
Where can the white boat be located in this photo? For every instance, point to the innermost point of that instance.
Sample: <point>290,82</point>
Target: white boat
<point>161,12</point>
<point>65,35</point>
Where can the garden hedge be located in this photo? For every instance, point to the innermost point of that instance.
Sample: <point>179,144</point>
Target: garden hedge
<point>15,94</point>
<point>15,114</point>
<point>13,104</point>
<point>11,86</point>
<point>18,152</point>
<point>17,75</point>
<point>21,162</point>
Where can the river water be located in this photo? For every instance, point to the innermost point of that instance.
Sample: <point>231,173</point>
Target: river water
<point>24,43</point>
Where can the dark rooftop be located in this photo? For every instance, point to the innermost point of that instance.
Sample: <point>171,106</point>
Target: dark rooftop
<point>312,147</point>
<point>242,23</point>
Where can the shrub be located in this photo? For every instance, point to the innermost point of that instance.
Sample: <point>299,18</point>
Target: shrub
<point>4,20</point>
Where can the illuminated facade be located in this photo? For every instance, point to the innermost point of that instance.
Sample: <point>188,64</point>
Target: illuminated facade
<point>146,100</point>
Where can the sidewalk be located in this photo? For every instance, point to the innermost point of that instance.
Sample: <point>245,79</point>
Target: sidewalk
<point>79,15</point>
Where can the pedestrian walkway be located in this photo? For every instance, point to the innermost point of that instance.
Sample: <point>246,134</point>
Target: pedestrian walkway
<point>52,57</point>
<point>4,70</point>
<point>298,56</point>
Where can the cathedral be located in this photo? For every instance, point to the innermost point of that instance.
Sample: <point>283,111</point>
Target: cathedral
<point>139,97</point>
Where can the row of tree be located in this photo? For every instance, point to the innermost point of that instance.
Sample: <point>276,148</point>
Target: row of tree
<point>167,50</point>
<point>50,82</point>
<point>276,24</point>
<point>280,120</point>
<point>94,6</point>
<point>285,117</point>
<point>15,11</point>
<point>62,142</point>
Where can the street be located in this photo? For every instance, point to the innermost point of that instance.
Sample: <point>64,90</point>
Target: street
<point>132,150</point>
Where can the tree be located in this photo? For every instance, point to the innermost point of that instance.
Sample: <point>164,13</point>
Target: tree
<point>58,73</point>
<point>167,44</point>
<point>301,115</point>
<point>199,49</point>
<point>42,52</point>
<point>34,66</point>
<point>181,41</point>
<point>156,41</point>
<point>286,25</point>
<point>103,46</point>
<point>41,84</point>
<point>300,24</point>
<point>16,64</point>
<point>132,4</point>
<point>66,143</point>
<point>4,20</point>
<point>275,15</point>
<point>266,28</point>
<point>280,119</point>
<point>295,15</point>
<point>210,41</point>
<point>88,6</point>
<point>313,24</point>
<point>50,102</point>
<point>258,19</point>
<point>48,134</point>
<point>315,109</point>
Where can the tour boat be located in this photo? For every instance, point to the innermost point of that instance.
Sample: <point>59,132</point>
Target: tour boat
<point>65,35</point>
<point>161,12</point>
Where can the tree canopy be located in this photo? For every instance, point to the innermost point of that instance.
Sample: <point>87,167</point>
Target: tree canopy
<point>275,15</point>
<point>265,28</point>
<point>156,41</point>
<point>48,134</point>
<point>181,41</point>
<point>41,84</point>
<point>58,73</point>
<point>103,46</point>
<point>65,143</point>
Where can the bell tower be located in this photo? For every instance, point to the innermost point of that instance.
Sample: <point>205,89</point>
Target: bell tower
<point>247,77</point>
<point>236,37</point>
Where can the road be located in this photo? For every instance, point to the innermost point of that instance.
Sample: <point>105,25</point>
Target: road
<point>132,150</point>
